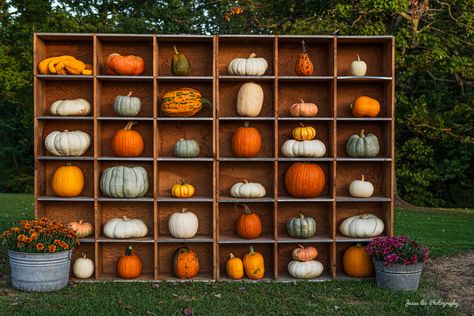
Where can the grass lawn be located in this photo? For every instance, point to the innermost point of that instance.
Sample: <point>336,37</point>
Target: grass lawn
<point>442,231</point>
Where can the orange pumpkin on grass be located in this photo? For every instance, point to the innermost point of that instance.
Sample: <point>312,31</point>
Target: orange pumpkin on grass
<point>254,264</point>
<point>357,263</point>
<point>185,263</point>
<point>127,142</point>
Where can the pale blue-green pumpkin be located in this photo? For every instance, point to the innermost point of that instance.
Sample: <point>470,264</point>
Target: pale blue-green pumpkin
<point>186,148</point>
<point>301,227</point>
<point>124,182</point>
<point>126,105</point>
<point>363,146</point>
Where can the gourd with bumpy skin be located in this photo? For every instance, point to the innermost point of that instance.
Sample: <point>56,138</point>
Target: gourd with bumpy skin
<point>127,142</point>
<point>122,228</point>
<point>246,141</point>
<point>249,225</point>
<point>183,102</point>
<point>357,263</point>
<point>304,132</point>
<point>185,263</point>
<point>251,66</point>
<point>182,190</point>
<point>301,227</point>
<point>247,190</point>
<point>180,65</point>
<point>307,148</point>
<point>83,267</point>
<point>75,107</point>
<point>129,266</point>
<point>124,182</point>
<point>81,228</point>
<point>362,226</point>
<point>183,224</point>
<point>305,180</point>
<point>304,253</point>
<point>304,66</point>
<point>303,109</point>
<point>250,99</point>
<point>254,264</point>
<point>126,105</point>
<point>234,267</point>
<point>358,67</point>
<point>305,270</point>
<point>186,148</point>
<point>363,146</point>
<point>68,181</point>
<point>365,107</point>
<point>361,188</point>
<point>66,143</point>
<point>131,65</point>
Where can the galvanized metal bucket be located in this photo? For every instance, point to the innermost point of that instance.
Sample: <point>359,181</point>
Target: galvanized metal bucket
<point>398,276</point>
<point>39,272</point>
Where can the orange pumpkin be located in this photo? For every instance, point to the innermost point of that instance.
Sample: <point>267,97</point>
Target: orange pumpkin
<point>129,266</point>
<point>182,102</point>
<point>305,180</point>
<point>127,142</point>
<point>304,254</point>
<point>246,141</point>
<point>68,181</point>
<point>234,267</point>
<point>357,263</point>
<point>82,229</point>
<point>365,107</point>
<point>304,66</point>
<point>131,65</point>
<point>185,263</point>
<point>249,225</point>
<point>254,264</point>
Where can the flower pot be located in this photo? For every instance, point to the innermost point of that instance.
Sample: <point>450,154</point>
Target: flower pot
<point>39,272</point>
<point>398,276</point>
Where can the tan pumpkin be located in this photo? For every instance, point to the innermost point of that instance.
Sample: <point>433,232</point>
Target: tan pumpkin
<point>82,229</point>
<point>304,254</point>
<point>250,99</point>
<point>357,263</point>
<point>304,109</point>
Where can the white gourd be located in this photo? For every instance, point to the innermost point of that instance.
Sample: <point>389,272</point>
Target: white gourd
<point>125,227</point>
<point>307,148</point>
<point>305,270</point>
<point>247,190</point>
<point>83,267</point>
<point>250,99</point>
<point>183,224</point>
<point>75,107</point>
<point>252,66</point>
<point>358,67</point>
<point>67,143</point>
<point>362,226</point>
<point>361,188</point>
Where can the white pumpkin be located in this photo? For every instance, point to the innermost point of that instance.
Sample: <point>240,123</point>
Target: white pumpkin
<point>74,143</point>
<point>183,224</point>
<point>361,188</point>
<point>125,228</point>
<point>250,99</point>
<point>307,148</point>
<point>247,190</point>
<point>305,270</point>
<point>362,226</point>
<point>358,67</point>
<point>252,66</point>
<point>75,107</point>
<point>83,267</point>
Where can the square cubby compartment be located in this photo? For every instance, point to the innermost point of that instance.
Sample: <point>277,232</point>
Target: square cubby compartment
<point>376,52</point>
<point>89,250</point>
<point>325,251</point>
<point>203,211</point>
<point>380,129</point>
<point>110,252</point>
<point>228,128</point>
<point>46,127</point>
<point>231,172</point>
<point>75,211</point>
<point>205,88</point>
<point>348,92</point>
<point>107,130</point>
<point>323,133</point>
<point>231,47</point>
<point>170,132</point>
<point>204,252</point>
<point>197,49</point>
<point>319,93</point>
<point>320,51</point>
<point>109,90</point>
<point>46,171</point>
<point>320,212</point>
<point>229,214</point>
<point>142,211</point>
<point>341,248</point>
<point>126,45</point>
<point>173,172</point>
<point>228,91</point>
<point>50,91</point>
<point>240,250</point>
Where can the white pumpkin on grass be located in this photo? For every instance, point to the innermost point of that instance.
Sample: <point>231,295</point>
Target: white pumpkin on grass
<point>67,143</point>
<point>251,66</point>
<point>183,224</point>
<point>305,269</point>
<point>83,267</point>
<point>361,188</point>
<point>126,105</point>
<point>75,107</point>
<point>250,99</point>
<point>122,228</point>
<point>307,148</point>
<point>362,226</point>
<point>247,190</point>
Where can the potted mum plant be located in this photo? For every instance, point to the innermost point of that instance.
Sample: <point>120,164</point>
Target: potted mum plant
<point>398,262</point>
<point>40,253</point>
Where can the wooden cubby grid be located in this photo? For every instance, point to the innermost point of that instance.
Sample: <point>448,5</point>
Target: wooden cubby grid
<point>332,88</point>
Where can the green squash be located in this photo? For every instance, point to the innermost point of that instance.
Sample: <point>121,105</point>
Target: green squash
<point>362,146</point>
<point>186,148</point>
<point>301,227</point>
<point>126,105</point>
<point>180,65</point>
<point>124,182</point>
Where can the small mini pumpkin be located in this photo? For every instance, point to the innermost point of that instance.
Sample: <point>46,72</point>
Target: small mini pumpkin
<point>305,270</point>
<point>131,65</point>
<point>123,228</point>
<point>66,143</point>
<point>127,142</point>
<point>303,109</point>
<point>249,225</point>
<point>307,148</point>
<point>183,224</point>
<point>126,105</point>
<point>362,226</point>
<point>358,67</point>
<point>82,229</point>
<point>250,99</point>
<point>246,141</point>
<point>301,253</point>
<point>129,266</point>
<point>185,263</point>
<point>304,66</point>
<point>75,107</point>
<point>234,267</point>
<point>301,227</point>
<point>365,107</point>
<point>251,66</point>
<point>182,190</point>
<point>357,263</point>
<point>363,146</point>
<point>254,264</point>
<point>247,190</point>
<point>186,148</point>
<point>361,188</point>
<point>304,132</point>
<point>305,180</point>
<point>83,267</point>
<point>68,181</point>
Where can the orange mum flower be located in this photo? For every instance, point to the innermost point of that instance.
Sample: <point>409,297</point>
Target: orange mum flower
<point>34,235</point>
<point>64,245</point>
<point>57,242</point>
<point>52,248</point>
<point>15,229</point>
<point>39,246</point>
<point>28,240</point>
<point>21,237</point>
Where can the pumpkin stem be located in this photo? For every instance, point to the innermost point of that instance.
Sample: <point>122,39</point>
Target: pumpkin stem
<point>246,208</point>
<point>129,93</point>
<point>231,255</point>
<point>80,221</point>
<point>129,125</point>
<point>302,101</point>
<point>183,182</point>
<point>301,246</point>
<point>363,178</point>
<point>302,125</point>
<point>301,216</point>
<point>175,50</point>
<point>304,47</point>
<point>247,124</point>
<point>125,218</point>
<point>359,245</point>
<point>245,181</point>
<point>184,210</point>
<point>252,55</point>
<point>358,58</point>
<point>68,164</point>
<point>181,139</point>
<point>84,255</point>
<point>363,216</point>
<point>66,130</point>
<point>206,101</point>
<point>351,106</point>
<point>362,135</point>
<point>251,251</point>
<point>129,250</point>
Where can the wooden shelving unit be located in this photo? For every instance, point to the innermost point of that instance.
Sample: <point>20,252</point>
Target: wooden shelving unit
<point>331,88</point>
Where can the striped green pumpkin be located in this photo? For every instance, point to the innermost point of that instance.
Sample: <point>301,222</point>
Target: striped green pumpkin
<point>184,102</point>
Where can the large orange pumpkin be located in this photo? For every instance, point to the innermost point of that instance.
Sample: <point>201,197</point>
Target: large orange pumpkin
<point>249,225</point>
<point>304,66</point>
<point>131,65</point>
<point>365,106</point>
<point>185,263</point>
<point>127,142</point>
<point>254,264</point>
<point>129,266</point>
<point>68,181</point>
<point>357,263</point>
<point>305,180</point>
<point>246,141</point>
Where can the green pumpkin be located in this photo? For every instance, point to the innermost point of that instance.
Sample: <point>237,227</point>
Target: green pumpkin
<point>186,148</point>
<point>301,227</point>
<point>180,65</point>
<point>126,105</point>
<point>362,146</point>
<point>124,182</point>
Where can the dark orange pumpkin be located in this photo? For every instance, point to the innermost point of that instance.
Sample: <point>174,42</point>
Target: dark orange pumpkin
<point>185,263</point>
<point>246,141</point>
<point>304,66</point>
<point>305,180</point>
<point>127,142</point>
<point>131,65</point>
<point>365,106</point>
<point>129,266</point>
<point>357,263</point>
<point>249,225</point>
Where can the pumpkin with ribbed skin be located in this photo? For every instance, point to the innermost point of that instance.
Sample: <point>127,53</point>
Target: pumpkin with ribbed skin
<point>306,148</point>
<point>304,132</point>
<point>124,227</point>
<point>301,227</point>
<point>246,141</point>
<point>365,107</point>
<point>234,267</point>
<point>250,99</point>
<point>247,190</point>
<point>74,107</point>
<point>67,143</point>
<point>254,264</point>
<point>124,182</point>
<point>126,105</point>
<point>127,142</point>
<point>249,225</point>
<point>68,181</point>
<point>185,263</point>
<point>361,188</point>
<point>251,66</point>
<point>182,190</point>
<point>363,146</point>
<point>305,270</point>
<point>303,109</point>
<point>304,253</point>
<point>304,66</point>
<point>362,226</point>
<point>184,102</point>
<point>131,65</point>
<point>186,148</point>
<point>357,263</point>
<point>82,229</point>
<point>83,267</point>
<point>183,224</point>
<point>129,266</point>
<point>305,180</point>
